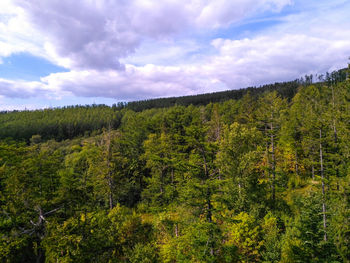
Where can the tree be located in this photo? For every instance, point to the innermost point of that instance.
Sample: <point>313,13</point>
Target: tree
<point>269,114</point>
<point>238,158</point>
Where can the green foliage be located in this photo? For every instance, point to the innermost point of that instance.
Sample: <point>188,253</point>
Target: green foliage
<point>60,124</point>
<point>244,233</point>
<point>116,236</point>
<point>285,89</point>
<point>238,159</point>
<point>262,178</point>
<point>271,237</point>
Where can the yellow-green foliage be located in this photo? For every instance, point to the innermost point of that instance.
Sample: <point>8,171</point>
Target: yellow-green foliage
<point>244,233</point>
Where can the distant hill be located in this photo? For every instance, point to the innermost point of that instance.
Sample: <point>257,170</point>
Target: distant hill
<point>73,121</point>
<point>284,89</point>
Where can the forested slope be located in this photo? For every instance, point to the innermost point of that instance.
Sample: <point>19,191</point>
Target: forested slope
<point>72,121</point>
<point>284,89</point>
<point>59,124</point>
<point>263,178</point>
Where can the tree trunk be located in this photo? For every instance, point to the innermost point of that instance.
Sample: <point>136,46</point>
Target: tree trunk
<point>335,136</point>
<point>176,230</point>
<point>273,164</point>
<point>334,123</point>
<point>296,163</point>
<point>39,256</point>
<point>239,190</point>
<point>266,152</point>
<point>111,201</point>
<point>323,190</point>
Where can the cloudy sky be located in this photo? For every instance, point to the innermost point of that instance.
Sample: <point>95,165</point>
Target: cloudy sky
<point>64,52</point>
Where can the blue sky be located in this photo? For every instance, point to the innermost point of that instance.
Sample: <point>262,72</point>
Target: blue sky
<point>27,67</point>
<point>62,52</point>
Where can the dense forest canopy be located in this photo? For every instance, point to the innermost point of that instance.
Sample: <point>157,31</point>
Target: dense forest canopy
<point>262,176</point>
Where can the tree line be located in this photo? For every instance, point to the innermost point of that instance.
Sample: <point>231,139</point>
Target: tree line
<point>72,121</point>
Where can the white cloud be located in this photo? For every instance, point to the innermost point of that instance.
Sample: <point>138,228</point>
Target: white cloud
<point>238,64</point>
<point>221,13</point>
<point>267,59</point>
<point>21,89</point>
<point>151,42</point>
<point>167,52</point>
<point>133,83</point>
<point>16,34</point>
<point>96,34</point>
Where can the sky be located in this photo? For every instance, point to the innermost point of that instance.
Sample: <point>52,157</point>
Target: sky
<point>55,53</point>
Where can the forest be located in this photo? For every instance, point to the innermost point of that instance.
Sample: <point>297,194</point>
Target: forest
<point>255,175</point>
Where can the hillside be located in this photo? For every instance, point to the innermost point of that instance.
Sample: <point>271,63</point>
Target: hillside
<point>254,175</point>
<point>72,121</point>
